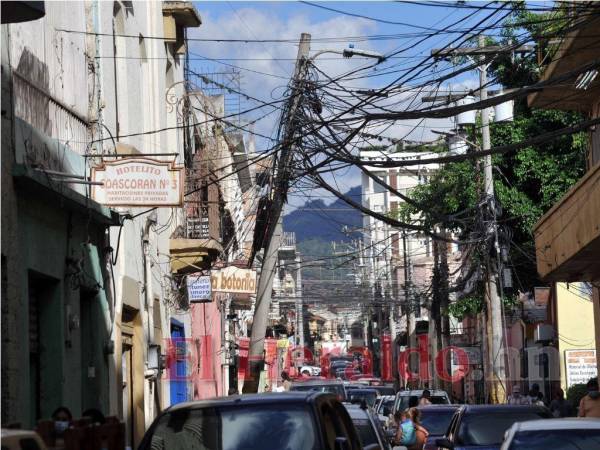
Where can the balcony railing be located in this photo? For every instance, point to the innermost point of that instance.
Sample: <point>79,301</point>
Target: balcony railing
<point>288,240</point>
<point>39,108</point>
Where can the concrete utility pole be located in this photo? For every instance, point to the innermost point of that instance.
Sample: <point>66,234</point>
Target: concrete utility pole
<point>408,301</point>
<point>299,302</point>
<point>493,301</point>
<point>274,231</point>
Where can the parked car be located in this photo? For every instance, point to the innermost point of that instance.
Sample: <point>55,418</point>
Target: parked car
<point>331,386</point>
<point>370,432</point>
<point>438,397</point>
<point>436,419</point>
<point>21,440</point>
<point>384,407</point>
<point>368,395</point>
<point>312,370</point>
<point>385,389</point>
<point>483,426</point>
<point>299,421</point>
<point>569,433</point>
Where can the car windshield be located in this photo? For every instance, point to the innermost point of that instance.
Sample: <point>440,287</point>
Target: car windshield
<point>369,397</point>
<point>557,440</point>
<point>488,428</point>
<point>260,427</point>
<point>385,390</point>
<point>436,422</point>
<point>331,388</point>
<point>385,407</point>
<point>366,433</point>
<point>434,399</point>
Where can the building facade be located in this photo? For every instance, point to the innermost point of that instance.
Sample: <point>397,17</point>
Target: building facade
<point>86,289</point>
<point>567,237</point>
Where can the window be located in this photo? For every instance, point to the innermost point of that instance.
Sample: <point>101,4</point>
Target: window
<point>260,427</point>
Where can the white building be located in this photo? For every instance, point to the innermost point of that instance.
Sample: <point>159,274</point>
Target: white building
<point>87,82</point>
<point>386,247</point>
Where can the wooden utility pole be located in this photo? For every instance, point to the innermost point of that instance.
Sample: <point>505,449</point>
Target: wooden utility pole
<point>274,229</point>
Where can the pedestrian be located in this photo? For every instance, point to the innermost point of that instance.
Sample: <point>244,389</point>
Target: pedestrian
<point>516,398</point>
<point>425,398</point>
<point>540,400</point>
<point>589,406</point>
<point>94,414</point>
<point>232,391</point>
<point>559,406</point>
<point>533,393</point>
<point>420,432</point>
<point>62,418</point>
<point>406,433</point>
<point>287,382</point>
<point>413,401</point>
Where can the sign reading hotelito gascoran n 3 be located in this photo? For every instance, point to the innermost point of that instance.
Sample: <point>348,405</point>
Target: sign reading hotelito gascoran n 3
<point>138,181</point>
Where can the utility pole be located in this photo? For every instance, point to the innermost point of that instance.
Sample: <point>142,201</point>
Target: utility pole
<point>408,301</point>
<point>493,300</point>
<point>493,329</point>
<point>299,303</point>
<point>274,231</point>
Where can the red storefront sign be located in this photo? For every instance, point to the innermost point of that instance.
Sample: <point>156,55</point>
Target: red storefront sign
<point>244,347</point>
<point>386,358</point>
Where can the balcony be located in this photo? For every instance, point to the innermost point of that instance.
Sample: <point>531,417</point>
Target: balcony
<point>287,248</point>
<point>567,238</point>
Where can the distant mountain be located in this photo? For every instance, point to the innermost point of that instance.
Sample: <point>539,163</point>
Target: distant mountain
<point>317,221</point>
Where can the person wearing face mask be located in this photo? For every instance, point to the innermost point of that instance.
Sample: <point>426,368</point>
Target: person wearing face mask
<point>62,418</point>
<point>589,406</point>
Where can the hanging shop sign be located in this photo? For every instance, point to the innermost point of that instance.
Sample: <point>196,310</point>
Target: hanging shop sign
<point>198,288</point>
<point>138,181</point>
<point>233,280</point>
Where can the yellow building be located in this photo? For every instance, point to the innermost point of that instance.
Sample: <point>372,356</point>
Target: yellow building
<point>575,323</point>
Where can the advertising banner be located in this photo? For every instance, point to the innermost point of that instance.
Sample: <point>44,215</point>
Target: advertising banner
<point>198,288</point>
<point>233,280</point>
<point>580,366</point>
<point>138,181</point>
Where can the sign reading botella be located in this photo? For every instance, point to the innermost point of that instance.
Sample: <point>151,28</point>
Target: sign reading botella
<point>138,181</point>
<point>233,280</point>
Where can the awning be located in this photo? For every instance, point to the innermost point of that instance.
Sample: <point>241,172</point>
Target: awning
<point>191,255</point>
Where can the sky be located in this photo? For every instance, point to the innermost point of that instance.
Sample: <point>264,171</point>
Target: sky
<point>265,68</point>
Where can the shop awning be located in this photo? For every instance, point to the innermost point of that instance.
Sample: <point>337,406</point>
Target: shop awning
<point>192,255</point>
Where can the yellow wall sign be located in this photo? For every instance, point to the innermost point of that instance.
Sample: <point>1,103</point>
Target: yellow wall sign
<point>233,280</point>
<point>138,181</point>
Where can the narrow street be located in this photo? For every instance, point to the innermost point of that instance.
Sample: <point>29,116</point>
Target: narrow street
<point>300,225</point>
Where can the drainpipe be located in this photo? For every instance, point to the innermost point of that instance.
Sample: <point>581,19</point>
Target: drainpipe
<point>148,291</point>
<point>150,375</point>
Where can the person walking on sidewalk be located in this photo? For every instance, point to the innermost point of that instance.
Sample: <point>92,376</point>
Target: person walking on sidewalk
<point>589,406</point>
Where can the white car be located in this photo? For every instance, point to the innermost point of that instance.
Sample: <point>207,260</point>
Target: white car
<point>384,408</point>
<point>314,371</point>
<point>545,434</point>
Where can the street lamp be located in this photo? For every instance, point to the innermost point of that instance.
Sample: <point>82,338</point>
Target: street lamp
<point>350,52</point>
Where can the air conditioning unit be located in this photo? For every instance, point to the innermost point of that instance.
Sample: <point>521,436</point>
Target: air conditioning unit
<point>543,333</point>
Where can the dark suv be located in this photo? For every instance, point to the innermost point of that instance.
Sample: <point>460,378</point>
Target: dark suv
<point>293,420</point>
<point>483,426</point>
